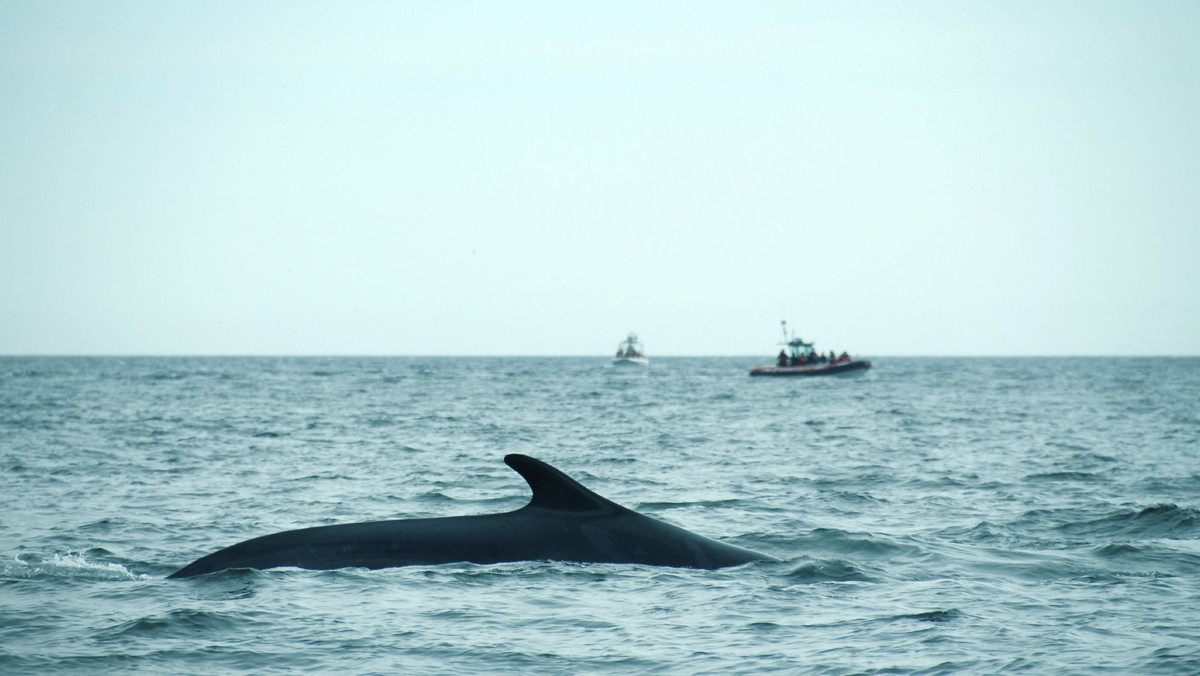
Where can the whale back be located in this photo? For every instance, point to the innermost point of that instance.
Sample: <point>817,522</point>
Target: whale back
<point>563,521</point>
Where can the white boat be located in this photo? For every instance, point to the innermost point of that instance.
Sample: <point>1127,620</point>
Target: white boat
<point>630,352</point>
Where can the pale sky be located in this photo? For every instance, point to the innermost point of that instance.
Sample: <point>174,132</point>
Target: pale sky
<point>541,178</point>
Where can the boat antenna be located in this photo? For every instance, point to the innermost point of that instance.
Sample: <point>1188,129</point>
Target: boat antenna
<point>783,326</point>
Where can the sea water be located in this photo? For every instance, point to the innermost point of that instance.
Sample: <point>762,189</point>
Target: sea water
<point>932,516</point>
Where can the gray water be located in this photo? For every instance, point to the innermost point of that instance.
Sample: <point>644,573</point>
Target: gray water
<point>933,516</point>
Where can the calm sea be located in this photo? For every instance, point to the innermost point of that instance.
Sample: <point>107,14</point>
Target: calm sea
<point>933,516</point>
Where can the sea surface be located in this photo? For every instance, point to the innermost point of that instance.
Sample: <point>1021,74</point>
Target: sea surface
<point>932,516</point>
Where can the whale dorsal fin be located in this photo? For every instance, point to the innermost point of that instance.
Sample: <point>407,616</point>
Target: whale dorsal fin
<point>554,490</point>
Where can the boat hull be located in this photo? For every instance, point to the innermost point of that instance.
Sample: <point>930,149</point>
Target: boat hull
<point>631,361</point>
<point>819,370</point>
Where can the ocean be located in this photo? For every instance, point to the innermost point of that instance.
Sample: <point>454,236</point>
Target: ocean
<point>931,516</point>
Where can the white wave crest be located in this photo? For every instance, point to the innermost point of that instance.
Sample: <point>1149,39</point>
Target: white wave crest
<point>68,565</point>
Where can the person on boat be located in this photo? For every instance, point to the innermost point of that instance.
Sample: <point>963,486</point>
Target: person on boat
<point>782,359</point>
<point>843,357</point>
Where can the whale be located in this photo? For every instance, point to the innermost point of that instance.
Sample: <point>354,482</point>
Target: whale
<point>564,521</point>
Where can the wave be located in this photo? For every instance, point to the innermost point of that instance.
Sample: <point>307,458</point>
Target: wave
<point>1064,476</point>
<point>1161,558</point>
<point>187,621</point>
<point>661,506</point>
<point>1117,550</point>
<point>829,571</point>
<point>71,565</point>
<point>1166,521</point>
<point>858,545</point>
<point>982,532</point>
<point>320,476</point>
<point>930,616</point>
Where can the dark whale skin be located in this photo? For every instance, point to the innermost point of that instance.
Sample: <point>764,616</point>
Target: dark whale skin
<point>564,521</point>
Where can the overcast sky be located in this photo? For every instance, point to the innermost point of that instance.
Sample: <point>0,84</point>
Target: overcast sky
<point>540,178</point>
